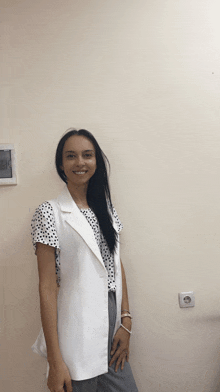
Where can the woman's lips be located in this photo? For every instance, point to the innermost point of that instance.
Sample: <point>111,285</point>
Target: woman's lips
<point>79,172</point>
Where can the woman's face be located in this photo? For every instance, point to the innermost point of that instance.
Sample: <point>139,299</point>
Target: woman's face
<point>79,160</point>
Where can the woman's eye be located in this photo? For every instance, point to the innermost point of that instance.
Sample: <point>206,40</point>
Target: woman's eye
<point>70,156</point>
<point>88,155</point>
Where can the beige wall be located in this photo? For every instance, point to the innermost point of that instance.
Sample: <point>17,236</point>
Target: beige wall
<point>144,77</point>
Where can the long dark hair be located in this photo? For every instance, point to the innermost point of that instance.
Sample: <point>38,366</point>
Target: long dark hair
<point>98,193</point>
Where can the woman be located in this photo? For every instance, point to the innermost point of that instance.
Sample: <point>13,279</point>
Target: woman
<point>86,322</point>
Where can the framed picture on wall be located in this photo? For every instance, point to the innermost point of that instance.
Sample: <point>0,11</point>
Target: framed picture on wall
<point>7,165</point>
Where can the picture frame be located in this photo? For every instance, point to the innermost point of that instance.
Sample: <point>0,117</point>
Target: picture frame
<point>8,175</point>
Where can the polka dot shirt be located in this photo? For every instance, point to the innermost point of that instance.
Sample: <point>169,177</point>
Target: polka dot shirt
<point>44,231</point>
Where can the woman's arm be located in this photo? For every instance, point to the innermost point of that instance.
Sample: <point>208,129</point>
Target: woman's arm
<point>126,321</point>
<point>58,374</point>
<point>120,346</point>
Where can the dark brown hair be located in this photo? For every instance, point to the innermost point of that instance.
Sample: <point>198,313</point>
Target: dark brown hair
<point>98,193</point>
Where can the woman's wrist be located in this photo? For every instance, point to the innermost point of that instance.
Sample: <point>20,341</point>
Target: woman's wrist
<point>126,321</point>
<point>54,360</point>
<point>128,329</point>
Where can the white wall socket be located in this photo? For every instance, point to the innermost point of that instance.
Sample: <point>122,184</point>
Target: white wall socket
<point>187,299</point>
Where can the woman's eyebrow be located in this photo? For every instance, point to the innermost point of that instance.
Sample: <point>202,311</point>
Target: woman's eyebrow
<point>67,152</point>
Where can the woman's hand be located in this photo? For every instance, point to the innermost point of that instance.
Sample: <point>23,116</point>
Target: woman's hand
<point>120,348</point>
<point>58,376</point>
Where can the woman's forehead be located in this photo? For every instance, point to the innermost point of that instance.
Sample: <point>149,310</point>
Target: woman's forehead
<point>78,143</point>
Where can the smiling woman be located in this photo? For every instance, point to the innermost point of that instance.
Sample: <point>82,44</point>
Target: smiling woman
<point>78,164</point>
<point>86,325</point>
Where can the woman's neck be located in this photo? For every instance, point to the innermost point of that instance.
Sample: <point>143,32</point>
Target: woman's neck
<point>79,195</point>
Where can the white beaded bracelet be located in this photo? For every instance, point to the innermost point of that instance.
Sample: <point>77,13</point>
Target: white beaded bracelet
<point>121,325</point>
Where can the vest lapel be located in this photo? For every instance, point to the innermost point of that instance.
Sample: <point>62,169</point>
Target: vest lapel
<point>74,217</point>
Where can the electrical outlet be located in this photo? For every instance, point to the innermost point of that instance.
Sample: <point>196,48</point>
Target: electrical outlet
<point>187,299</point>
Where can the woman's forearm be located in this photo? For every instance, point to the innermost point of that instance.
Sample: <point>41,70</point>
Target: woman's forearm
<point>48,307</point>
<point>126,321</point>
<point>48,299</point>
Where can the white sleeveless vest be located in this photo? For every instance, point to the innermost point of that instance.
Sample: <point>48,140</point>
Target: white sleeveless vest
<point>82,305</point>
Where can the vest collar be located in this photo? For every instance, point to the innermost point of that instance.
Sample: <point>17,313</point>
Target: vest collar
<point>74,217</point>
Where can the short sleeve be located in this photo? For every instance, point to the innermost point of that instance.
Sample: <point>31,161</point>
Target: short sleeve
<point>117,220</point>
<point>43,226</point>
<point>43,229</point>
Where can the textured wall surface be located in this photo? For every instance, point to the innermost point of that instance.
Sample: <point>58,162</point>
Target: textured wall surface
<point>144,77</point>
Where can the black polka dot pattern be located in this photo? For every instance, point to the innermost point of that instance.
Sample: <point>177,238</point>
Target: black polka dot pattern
<point>44,231</point>
<point>104,250</point>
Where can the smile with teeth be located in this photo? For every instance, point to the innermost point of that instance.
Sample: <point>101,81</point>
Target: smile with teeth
<point>81,172</point>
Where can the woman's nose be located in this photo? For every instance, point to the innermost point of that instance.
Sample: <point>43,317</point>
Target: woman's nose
<point>80,161</point>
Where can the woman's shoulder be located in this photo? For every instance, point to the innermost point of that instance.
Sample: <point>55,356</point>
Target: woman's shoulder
<point>44,208</point>
<point>43,215</point>
<point>43,227</point>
